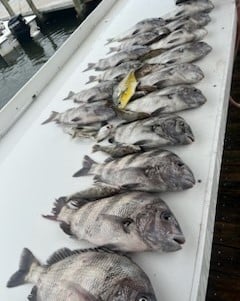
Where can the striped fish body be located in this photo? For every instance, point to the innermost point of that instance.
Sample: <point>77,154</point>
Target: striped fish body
<point>84,274</point>
<point>121,222</point>
<point>155,131</point>
<point>156,170</point>
<point>168,100</point>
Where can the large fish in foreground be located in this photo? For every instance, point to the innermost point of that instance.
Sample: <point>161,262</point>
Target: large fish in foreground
<point>129,222</point>
<point>156,170</point>
<point>154,131</point>
<point>172,75</point>
<point>169,100</point>
<point>186,53</point>
<point>86,275</point>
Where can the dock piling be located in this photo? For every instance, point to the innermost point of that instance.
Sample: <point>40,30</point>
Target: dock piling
<point>35,10</point>
<point>80,7</point>
<point>8,7</point>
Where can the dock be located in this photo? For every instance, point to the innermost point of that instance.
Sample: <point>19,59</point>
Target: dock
<point>44,7</point>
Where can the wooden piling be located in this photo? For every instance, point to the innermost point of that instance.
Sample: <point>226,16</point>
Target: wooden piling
<point>8,7</point>
<point>80,7</point>
<point>35,10</point>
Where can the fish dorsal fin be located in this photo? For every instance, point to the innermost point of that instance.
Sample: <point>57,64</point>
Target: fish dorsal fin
<point>63,253</point>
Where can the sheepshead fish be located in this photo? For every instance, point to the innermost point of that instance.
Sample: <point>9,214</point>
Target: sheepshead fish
<point>173,75</point>
<point>101,91</point>
<point>156,170</point>
<point>86,113</point>
<point>141,39</point>
<point>154,131</point>
<point>145,25</point>
<point>133,53</point>
<point>186,53</point>
<point>129,222</point>
<point>189,8</point>
<point>179,37</point>
<point>90,275</point>
<point>190,23</point>
<point>116,73</point>
<point>117,150</point>
<point>169,100</point>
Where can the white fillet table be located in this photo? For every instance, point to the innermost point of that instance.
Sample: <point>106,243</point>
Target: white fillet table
<point>37,162</point>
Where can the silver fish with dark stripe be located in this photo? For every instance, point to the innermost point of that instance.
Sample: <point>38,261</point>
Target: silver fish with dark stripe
<point>156,170</point>
<point>86,275</point>
<point>187,53</point>
<point>169,100</point>
<point>154,131</point>
<point>129,222</point>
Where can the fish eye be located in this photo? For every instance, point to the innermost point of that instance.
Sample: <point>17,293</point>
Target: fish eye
<point>166,216</point>
<point>180,164</point>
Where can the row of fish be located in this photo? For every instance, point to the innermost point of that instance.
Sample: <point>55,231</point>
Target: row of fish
<point>122,210</point>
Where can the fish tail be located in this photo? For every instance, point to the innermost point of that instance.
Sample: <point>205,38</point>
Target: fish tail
<point>51,118</point>
<point>91,79</point>
<point>112,49</point>
<point>109,41</point>
<point>58,205</point>
<point>89,67</point>
<point>87,165</point>
<point>27,262</point>
<point>96,148</point>
<point>70,95</point>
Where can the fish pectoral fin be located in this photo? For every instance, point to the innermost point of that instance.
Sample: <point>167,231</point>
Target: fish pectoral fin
<point>159,111</point>
<point>77,292</point>
<point>147,88</point>
<point>123,222</point>
<point>33,294</point>
<point>142,142</point>
<point>131,186</point>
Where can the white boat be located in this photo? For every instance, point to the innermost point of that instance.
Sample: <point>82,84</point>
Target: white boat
<point>37,162</point>
<point>8,42</point>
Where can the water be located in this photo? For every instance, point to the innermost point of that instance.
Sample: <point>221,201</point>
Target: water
<point>23,63</point>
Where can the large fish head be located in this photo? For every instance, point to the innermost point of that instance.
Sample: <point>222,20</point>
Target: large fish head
<point>159,228</point>
<point>202,19</point>
<point>190,73</point>
<point>191,96</point>
<point>176,173</point>
<point>138,289</point>
<point>198,49</point>
<point>175,129</point>
<point>201,5</point>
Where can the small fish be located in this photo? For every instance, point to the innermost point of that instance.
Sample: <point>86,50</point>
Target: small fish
<point>117,150</point>
<point>169,100</point>
<point>186,53</point>
<point>145,25</point>
<point>173,75</point>
<point>116,73</point>
<point>92,274</point>
<point>153,132</point>
<point>189,8</point>
<point>125,90</point>
<point>86,113</point>
<point>190,23</point>
<point>141,39</point>
<point>128,222</point>
<point>156,170</point>
<point>98,92</point>
<point>179,37</point>
<point>133,53</point>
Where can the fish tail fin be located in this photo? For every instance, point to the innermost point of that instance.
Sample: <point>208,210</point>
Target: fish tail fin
<point>89,67</point>
<point>109,41</point>
<point>87,165</point>
<point>51,118</point>
<point>26,263</point>
<point>112,49</point>
<point>96,148</point>
<point>70,95</point>
<point>91,79</point>
<point>58,205</point>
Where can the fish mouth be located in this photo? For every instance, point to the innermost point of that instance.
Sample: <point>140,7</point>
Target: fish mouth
<point>188,182</point>
<point>190,139</point>
<point>175,243</point>
<point>179,239</point>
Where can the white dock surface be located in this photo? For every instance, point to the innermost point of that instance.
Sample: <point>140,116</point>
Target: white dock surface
<point>37,162</point>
